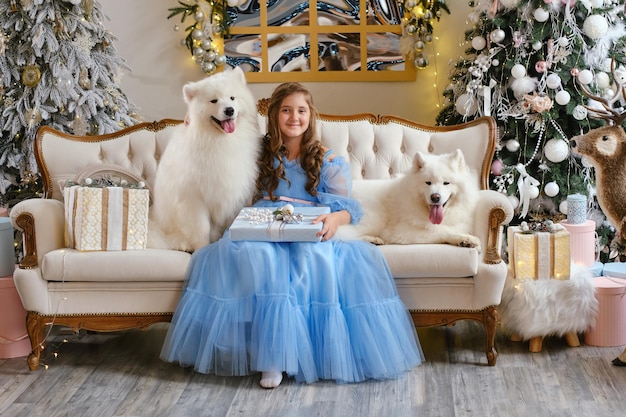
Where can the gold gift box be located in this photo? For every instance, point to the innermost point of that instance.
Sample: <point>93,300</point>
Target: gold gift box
<point>106,218</point>
<point>539,255</point>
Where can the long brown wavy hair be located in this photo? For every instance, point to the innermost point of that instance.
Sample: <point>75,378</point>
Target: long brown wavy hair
<point>311,150</point>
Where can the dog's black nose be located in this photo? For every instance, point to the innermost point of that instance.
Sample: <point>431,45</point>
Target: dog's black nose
<point>229,111</point>
<point>572,143</point>
<point>434,198</point>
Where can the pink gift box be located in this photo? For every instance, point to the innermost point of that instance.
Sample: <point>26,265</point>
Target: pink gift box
<point>610,327</point>
<point>14,341</point>
<point>582,242</point>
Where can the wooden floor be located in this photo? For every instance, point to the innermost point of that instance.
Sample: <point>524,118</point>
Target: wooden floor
<point>120,374</point>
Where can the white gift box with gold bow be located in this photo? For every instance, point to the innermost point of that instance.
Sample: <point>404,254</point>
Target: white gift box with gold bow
<point>106,218</point>
<point>539,255</point>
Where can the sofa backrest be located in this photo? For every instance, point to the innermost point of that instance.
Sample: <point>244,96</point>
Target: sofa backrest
<point>377,147</point>
<point>137,149</point>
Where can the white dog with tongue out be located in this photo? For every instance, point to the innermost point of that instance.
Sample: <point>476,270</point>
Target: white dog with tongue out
<point>433,203</point>
<point>207,172</point>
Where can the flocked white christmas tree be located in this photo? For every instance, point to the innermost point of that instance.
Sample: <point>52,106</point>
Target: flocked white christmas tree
<point>59,68</point>
<point>524,65</point>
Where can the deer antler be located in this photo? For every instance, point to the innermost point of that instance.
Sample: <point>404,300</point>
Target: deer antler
<point>609,113</point>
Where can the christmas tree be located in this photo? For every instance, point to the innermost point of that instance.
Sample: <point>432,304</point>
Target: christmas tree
<point>525,68</point>
<point>59,68</point>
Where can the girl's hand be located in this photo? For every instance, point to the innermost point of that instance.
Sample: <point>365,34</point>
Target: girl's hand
<point>331,222</point>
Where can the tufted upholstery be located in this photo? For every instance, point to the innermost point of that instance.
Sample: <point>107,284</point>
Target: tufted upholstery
<point>106,291</point>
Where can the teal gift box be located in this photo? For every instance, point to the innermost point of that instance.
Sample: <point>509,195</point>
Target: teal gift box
<point>261,224</point>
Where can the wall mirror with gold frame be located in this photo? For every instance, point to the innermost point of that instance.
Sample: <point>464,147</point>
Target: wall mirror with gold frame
<point>315,40</point>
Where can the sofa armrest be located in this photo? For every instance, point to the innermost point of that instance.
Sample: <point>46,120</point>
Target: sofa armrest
<point>42,222</point>
<point>493,211</point>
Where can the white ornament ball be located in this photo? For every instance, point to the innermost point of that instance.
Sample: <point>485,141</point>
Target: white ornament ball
<point>512,145</point>
<point>556,150</point>
<point>562,97</point>
<point>579,112</point>
<point>479,43</point>
<point>553,81</point>
<point>597,3</point>
<point>514,201</point>
<point>465,105</point>
<point>537,45</point>
<point>563,207</point>
<point>551,189</point>
<point>75,2</point>
<point>585,76</point>
<point>497,35</point>
<point>495,62</point>
<point>65,81</point>
<point>563,41</point>
<point>518,71</point>
<point>474,17</point>
<point>541,15</point>
<point>533,192</point>
<point>509,4</point>
<point>595,26</point>
<point>603,80</point>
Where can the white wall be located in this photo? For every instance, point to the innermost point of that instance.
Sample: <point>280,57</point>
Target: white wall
<point>160,66</point>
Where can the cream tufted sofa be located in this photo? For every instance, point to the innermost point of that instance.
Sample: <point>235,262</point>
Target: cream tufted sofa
<point>108,291</point>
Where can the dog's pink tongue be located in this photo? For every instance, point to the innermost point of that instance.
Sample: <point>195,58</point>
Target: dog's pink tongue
<point>436,213</point>
<point>228,125</point>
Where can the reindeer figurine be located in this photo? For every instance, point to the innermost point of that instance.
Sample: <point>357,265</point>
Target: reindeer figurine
<point>605,147</point>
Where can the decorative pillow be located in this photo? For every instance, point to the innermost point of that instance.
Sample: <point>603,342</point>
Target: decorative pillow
<point>106,208</point>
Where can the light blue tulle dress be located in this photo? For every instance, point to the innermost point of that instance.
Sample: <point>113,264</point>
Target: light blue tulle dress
<point>321,310</point>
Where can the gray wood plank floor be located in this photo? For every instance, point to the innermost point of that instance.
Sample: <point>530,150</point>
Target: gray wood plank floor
<point>120,374</point>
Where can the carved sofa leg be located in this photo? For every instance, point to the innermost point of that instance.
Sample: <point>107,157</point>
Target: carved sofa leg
<point>35,328</point>
<point>491,324</point>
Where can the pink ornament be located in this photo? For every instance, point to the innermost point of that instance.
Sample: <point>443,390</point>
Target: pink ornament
<point>571,3</point>
<point>496,167</point>
<point>574,72</point>
<point>541,66</point>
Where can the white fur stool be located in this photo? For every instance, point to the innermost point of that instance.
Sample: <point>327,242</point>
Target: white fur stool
<point>534,309</point>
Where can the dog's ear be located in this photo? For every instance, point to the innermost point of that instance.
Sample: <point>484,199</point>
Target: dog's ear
<point>189,92</point>
<point>239,74</point>
<point>458,159</point>
<point>419,160</point>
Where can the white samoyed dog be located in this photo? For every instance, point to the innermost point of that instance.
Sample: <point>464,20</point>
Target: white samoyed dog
<point>208,170</point>
<point>433,203</point>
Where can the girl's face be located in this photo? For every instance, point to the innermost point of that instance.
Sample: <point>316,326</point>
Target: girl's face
<point>294,116</point>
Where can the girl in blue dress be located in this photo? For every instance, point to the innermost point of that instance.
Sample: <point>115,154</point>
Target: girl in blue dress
<point>310,310</point>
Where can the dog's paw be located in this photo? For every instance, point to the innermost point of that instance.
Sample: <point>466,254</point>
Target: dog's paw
<point>469,241</point>
<point>374,239</point>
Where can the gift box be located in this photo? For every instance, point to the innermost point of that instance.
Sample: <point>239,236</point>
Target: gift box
<point>14,341</point>
<point>261,224</point>
<point>597,269</point>
<point>7,248</point>
<point>539,255</point>
<point>614,269</point>
<point>610,325</point>
<point>106,218</point>
<point>582,241</point>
